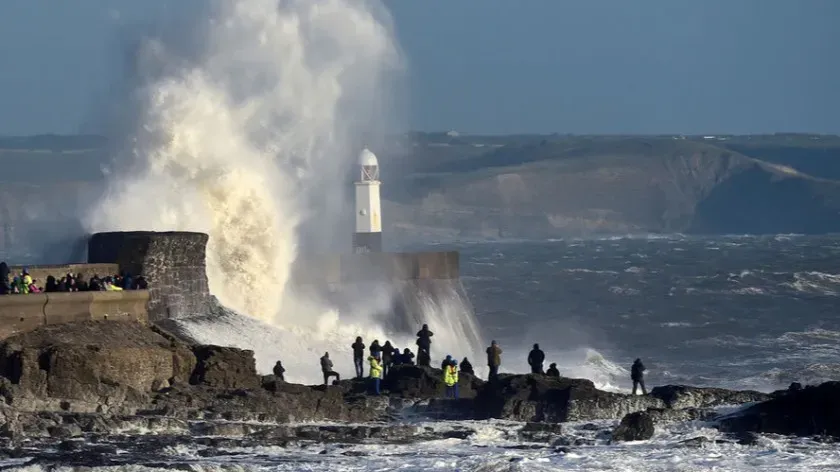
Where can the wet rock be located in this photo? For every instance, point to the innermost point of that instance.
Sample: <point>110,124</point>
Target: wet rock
<point>698,442</point>
<point>65,431</point>
<point>573,441</point>
<point>746,438</point>
<point>524,447</point>
<point>807,412</point>
<point>636,426</point>
<point>87,362</point>
<point>426,382</point>
<point>442,409</point>
<point>662,416</point>
<point>682,396</point>
<point>793,387</point>
<point>206,428</point>
<point>224,367</point>
<point>537,398</point>
<point>355,453</point>
<point>540,432</point>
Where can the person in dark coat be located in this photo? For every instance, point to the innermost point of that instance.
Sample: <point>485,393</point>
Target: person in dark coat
<point>424,341</point>
<point>396,357</point>
<point>552,370</point>
<point>466,367</point>
<point>327,369</point>
<point>637,375</point>
<point>5,288</point>
<point>376,349</point>
<point>387,358</point>
<point>407,357</point>
<point>535,359</point>
<point>52,285</point>
<point>359,357</point>
<point>141,283</point>
<point>279,370</point>
<point>423,358</point>
<point>448,361</point>
<point>494,360</point>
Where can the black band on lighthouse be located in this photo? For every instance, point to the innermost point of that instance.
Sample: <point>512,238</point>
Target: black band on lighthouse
<point>367,242</point>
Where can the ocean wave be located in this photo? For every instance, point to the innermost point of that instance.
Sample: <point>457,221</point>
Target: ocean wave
<point>679,324</point>
<point>813,282</point>
<point>624,291</point>
<point>493,446</point>
<point>589,271</point>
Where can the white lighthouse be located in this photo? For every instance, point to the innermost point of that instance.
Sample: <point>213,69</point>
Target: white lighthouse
<point>368,235</point>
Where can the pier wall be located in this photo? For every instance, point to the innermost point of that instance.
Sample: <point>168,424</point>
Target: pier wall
<point>174,264</point>
<point>22,313</point>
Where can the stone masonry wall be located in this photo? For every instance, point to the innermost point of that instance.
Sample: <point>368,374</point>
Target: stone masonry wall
<point>174,263</point>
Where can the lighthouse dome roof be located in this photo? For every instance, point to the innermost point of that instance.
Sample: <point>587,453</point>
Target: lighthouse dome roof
<point>367,158</point>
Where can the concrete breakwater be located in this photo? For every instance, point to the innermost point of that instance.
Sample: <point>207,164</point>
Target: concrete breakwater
<point>174,263</point>
<point>23,313</point>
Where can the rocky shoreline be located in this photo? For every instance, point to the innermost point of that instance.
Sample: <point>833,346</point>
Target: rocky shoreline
<point>76,393</point>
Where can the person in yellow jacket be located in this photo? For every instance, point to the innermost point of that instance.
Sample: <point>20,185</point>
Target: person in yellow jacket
<point>450,378</point>
<point>375,372</point>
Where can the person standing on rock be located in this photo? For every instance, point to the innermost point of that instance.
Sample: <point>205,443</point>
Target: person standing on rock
<point>396,357</point>
<point>376,349</point>
<point>375,372</point>
<point>637,375</point>
<point>535,359</point>
<point>552,370</point>
<point>424,344</point>
<point>407,357</point>
<point>5,289</point>
<point>279,370</point>
<point>358,357</point>
<point>387,358</point>
<point>466,367</point>
<point>450,378</point>
<point>494,360</point>
<point>327,369</point>
<point>446,362</point>
<point>423,358</point>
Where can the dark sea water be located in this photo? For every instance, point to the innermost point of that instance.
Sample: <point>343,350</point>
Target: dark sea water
<point>757,312</point>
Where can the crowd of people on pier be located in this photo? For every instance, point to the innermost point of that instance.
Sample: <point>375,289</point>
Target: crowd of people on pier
<point>382,357</point>
<point>24,283</point>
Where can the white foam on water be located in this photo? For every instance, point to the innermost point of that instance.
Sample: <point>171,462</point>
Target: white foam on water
<point>493,448</point>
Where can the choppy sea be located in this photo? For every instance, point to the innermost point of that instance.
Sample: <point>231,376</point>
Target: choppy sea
<point>739,312</point>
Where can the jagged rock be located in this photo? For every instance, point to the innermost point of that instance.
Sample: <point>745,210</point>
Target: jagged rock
<point>663,416</point>
<point>541,432</point>
<point>807,412</point>
<point>225,367</point>
<point>93,362</point>
<point>794,387</point>
<point>426,382</point>
<point>683,396</point>
<point>746,438</point>
<point>698,442</point>
<point>541,398</point>
<point>636,426</point>
<point>438,409</point>
<point>65,431</point>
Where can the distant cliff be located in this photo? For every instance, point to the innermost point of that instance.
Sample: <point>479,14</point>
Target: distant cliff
<point>442,187</point>
<point>565,185</point>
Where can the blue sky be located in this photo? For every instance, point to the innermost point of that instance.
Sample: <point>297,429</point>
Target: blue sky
<point>494,66</point>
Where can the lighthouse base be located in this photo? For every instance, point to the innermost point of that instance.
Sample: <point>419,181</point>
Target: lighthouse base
<point>367,242</point>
